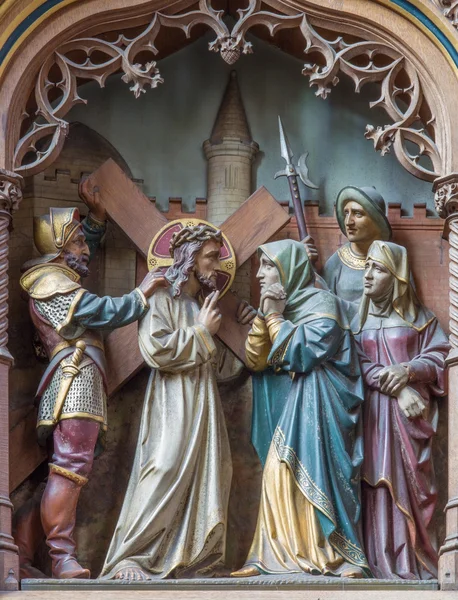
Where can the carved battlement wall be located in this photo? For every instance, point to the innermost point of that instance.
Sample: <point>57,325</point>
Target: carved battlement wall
<point>420,234</point>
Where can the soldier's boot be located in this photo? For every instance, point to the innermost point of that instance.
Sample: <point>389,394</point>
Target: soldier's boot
<point>58,514</point>
<point>28,533</point>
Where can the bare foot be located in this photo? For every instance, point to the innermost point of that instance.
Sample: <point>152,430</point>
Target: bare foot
<point>129,574</point>
<point>353,573</point>
<point>248,571</point>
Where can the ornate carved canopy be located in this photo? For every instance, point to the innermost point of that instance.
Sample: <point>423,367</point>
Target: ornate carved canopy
<point>418,127</point>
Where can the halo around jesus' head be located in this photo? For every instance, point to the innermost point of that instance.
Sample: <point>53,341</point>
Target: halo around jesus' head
<point>159,256</point>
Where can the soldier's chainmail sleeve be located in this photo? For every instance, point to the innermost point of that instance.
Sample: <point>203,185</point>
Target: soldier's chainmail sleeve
<point>55,309</point>
<point>70,314</point>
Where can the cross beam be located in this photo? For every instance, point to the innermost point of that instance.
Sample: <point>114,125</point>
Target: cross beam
<point>255,222</point>
<point>258,219</point>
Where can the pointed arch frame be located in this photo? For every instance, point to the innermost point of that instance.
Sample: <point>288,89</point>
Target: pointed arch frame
<point>417,40</point>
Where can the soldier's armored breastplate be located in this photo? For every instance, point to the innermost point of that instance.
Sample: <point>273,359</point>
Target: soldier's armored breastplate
<point>52,341</point>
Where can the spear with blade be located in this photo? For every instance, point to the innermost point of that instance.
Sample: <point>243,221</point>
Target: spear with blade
<point>292,172</point>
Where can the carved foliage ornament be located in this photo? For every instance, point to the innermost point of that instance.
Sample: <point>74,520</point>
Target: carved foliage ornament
<point>411,134</point>
<point>450,10</point>
<point>446,195</point>
<point>10,192</point>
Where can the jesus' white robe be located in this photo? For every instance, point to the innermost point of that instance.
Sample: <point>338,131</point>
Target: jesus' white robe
<point>174,517</point>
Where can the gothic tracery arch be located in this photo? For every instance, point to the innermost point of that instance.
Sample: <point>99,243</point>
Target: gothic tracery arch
<point>415,65</point>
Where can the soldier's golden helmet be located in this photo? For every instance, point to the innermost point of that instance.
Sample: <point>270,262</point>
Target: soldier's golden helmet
<point>52,232</point>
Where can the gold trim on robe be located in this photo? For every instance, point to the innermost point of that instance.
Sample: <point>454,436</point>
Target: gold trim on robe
<point>349,259</point>
<point>288,534</point>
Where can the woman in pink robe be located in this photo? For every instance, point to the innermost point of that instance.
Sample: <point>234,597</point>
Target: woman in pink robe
<point>402,352</point>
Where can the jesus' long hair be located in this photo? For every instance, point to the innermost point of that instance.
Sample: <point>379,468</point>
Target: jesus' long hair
<point>184,247</point>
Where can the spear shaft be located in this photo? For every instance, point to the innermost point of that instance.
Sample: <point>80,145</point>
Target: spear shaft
<point>298,206</point>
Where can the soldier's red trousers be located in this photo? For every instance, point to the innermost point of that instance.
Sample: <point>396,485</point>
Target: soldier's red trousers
<point>74,445</point>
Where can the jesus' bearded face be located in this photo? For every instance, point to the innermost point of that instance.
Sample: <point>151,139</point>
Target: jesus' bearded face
<point>208,264</point>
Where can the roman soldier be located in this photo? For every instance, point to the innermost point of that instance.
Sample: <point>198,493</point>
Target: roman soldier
<point>72,409</point>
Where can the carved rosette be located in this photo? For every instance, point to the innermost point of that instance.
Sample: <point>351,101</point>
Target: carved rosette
<point>10,197</point>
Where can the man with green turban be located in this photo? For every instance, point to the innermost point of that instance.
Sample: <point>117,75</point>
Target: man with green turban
<point>361,216</point>
<point>306,424</point>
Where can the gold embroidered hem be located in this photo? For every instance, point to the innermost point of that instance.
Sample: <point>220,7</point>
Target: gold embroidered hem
<point>303,480</point>
<point>206,338</point>
<point>288,537</point>
<point>142,298</point>
<point>350,259</point>
<point>280,352</point>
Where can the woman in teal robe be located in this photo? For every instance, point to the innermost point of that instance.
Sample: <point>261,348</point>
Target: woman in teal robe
<point>310,385</point>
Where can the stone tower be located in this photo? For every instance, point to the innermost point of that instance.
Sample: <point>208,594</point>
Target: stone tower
<point>230,152</point>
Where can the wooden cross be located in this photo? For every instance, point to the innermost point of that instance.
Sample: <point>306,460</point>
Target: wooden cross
<point>257,220</point>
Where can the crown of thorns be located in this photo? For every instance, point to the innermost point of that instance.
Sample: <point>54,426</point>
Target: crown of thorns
<point>195,233</point>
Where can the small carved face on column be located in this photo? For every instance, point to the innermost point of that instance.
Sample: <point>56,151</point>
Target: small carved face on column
<point>359,226</point>
<point>267,273</point>
<point>378,281</point>
<point>10,190</point>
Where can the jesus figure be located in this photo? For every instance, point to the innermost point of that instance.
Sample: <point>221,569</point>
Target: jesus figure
<point>174,517</point>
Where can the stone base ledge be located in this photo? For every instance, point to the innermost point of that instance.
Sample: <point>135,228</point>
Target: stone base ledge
<point>225,587</point>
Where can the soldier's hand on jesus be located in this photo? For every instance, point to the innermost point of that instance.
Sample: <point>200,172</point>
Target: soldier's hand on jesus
<point>411,403</point>
<point>209,315</point>
<point>91,197</point>
<point>392,379</point>
<point>245,313</point>
<point>312,252</point>
<point>273,299</point>
<point>152,281</point>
